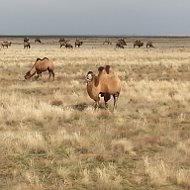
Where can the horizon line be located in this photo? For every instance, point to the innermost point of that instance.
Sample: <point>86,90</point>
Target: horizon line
<point>95,35</point>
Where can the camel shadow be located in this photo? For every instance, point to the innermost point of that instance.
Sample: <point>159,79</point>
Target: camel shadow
<point>80,106</point>
<point>83,106</point>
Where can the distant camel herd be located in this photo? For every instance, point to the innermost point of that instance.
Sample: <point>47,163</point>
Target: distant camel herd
<point>121,43</point>
<point>67,44</point>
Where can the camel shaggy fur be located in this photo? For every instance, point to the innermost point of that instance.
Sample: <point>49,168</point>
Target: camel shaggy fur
<point>105,84</point>
<point>40,66</point>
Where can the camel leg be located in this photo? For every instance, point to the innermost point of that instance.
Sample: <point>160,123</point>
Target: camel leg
<point>37,77</point>
<point>97,104</point>
<point>115,97</point>
<point>39,74</point>
<point>53,74</point>
<point>32,74</point>
<point>49,75</point>
<point>106,98</point>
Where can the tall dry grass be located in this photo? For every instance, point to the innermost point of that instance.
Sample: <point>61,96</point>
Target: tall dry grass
<point>51,138</point>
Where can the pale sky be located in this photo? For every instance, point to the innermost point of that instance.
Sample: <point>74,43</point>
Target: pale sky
<point>94,17</point>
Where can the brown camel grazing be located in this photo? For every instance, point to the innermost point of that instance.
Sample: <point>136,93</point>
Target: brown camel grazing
<point>41,65</point>
<point>37,40</point>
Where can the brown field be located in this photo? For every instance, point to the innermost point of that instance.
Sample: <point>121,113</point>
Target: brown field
<point>51,138</point>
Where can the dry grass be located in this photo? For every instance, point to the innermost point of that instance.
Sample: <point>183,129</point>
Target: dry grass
<point>51,138</point>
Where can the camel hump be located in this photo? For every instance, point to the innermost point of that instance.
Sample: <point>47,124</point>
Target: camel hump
<point>107,68</point>
<point>100,69</point>
<point>41,59</point>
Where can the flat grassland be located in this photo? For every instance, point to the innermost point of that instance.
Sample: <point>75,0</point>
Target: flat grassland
<point>51,138</point>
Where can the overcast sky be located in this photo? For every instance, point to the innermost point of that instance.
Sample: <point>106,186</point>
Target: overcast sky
<point>94,17</point>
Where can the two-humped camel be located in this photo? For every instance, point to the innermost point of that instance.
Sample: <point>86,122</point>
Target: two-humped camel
<point>65,43</point>
<point>6,44</point>
<point>121,43</point>
<point>40,66</point>
<point>149,44</point>
<point>138,43</point>
<point>105,84</point>
<point>78,43</point>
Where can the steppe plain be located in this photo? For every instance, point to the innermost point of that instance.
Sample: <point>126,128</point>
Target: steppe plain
<point>51,138</point>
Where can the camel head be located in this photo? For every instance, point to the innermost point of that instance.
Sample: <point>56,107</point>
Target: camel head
<point>89,77</point>
<point>27,75</point>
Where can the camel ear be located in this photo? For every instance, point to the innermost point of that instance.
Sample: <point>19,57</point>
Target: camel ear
<point>100,69</point>
<point>107,68</point>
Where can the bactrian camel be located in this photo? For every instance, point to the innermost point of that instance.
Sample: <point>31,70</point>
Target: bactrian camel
<point>41,65</point>
<point>105,84</point>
